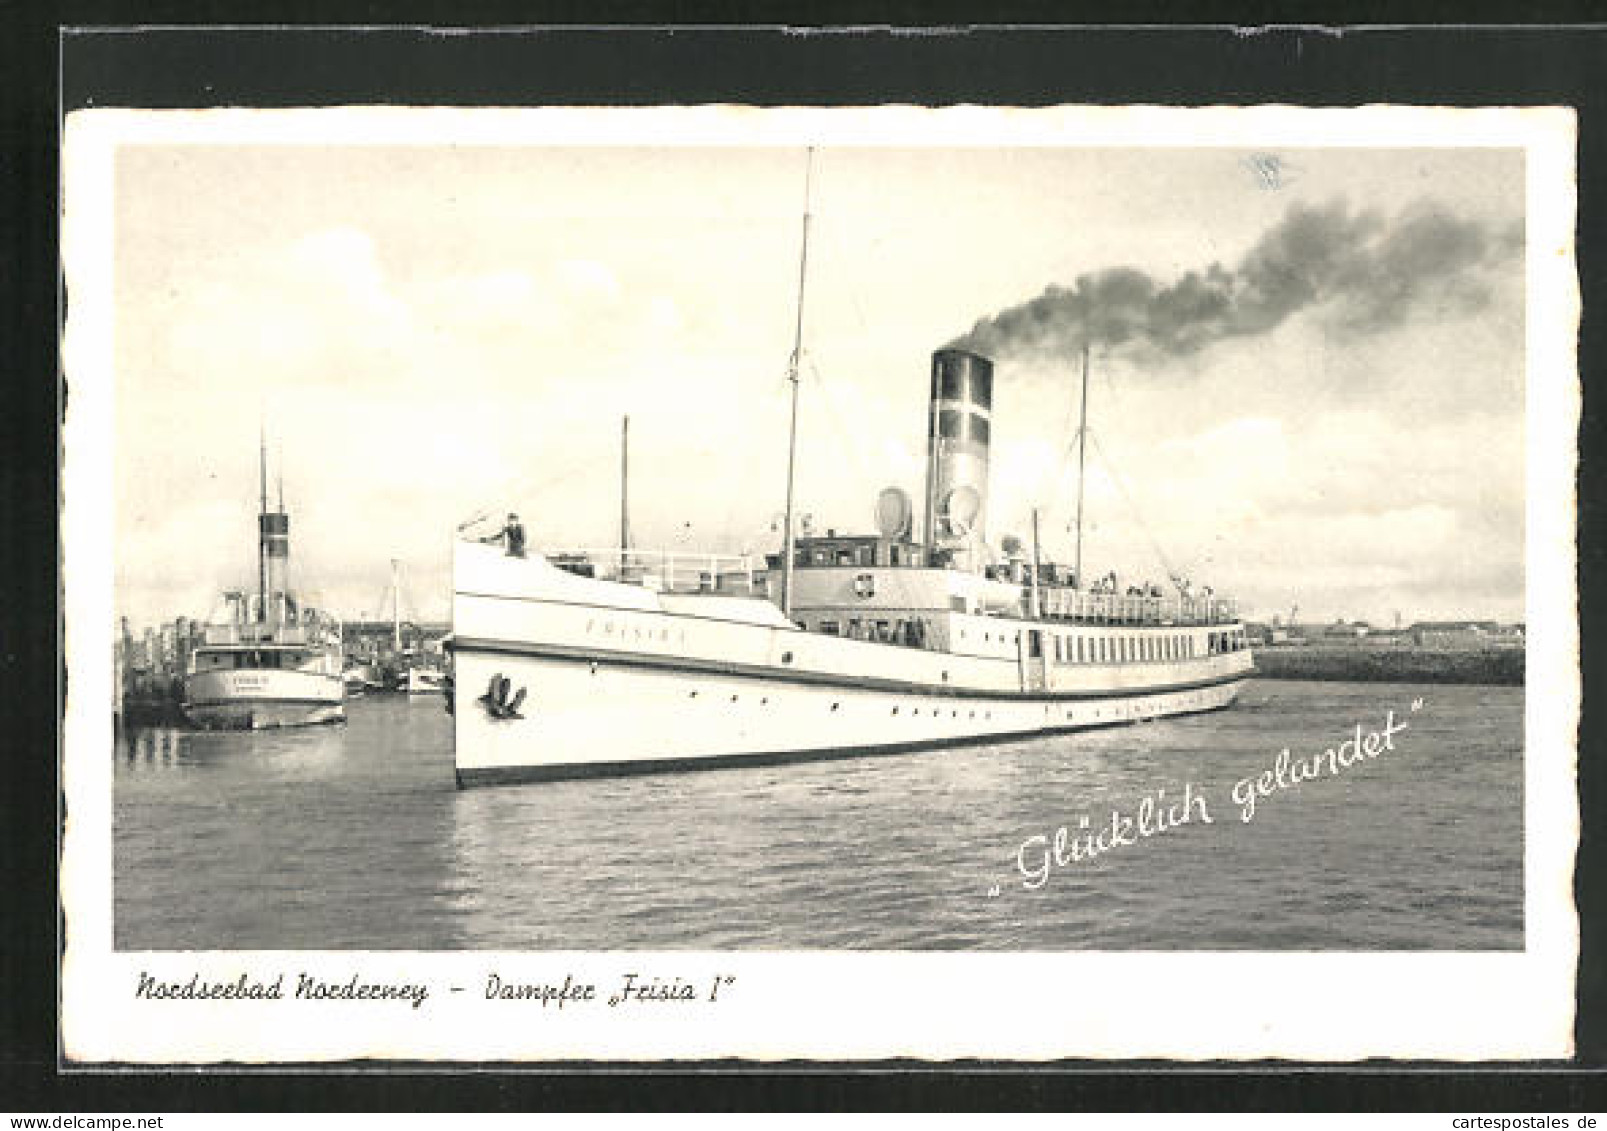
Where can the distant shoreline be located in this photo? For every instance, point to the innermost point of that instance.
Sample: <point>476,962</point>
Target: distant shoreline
<point>1360,664</point>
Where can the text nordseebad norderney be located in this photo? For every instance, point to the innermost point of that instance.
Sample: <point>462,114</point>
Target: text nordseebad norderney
<point>307,987</point>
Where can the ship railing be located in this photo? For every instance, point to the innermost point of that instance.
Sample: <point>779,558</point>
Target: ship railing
<point>668,571</point>
<point>1119,608</point>
<point>312,629</point>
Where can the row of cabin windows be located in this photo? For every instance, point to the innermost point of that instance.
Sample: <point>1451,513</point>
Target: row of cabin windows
<point>910,633</point>
<point>1144,648</point>
<point>1123,649</point>
<point>252,660</point>
<point>860,555</point>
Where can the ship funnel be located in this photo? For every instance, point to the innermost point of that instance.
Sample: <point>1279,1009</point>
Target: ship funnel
<point>957,440</point>
<point>274,542</point>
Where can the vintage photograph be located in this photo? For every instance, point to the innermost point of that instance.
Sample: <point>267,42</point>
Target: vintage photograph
<point>748,533</point>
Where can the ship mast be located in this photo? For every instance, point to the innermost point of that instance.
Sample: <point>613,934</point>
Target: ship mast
<point>1082,455</point>
<point>396,611</point>
<point>262,529</point>
<point>624,491</point>
<point>1037,565</point>
<point>793,364</point>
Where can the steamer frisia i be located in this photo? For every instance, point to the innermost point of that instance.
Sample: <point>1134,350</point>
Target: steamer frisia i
<point>572,663</point>
<point>589,662</point>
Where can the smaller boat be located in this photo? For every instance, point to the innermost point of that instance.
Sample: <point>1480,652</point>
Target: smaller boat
<point>360,678</point>
<point>423,681</point>
<point>267,661</point>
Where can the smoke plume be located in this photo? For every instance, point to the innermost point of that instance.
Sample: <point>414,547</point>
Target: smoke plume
<point>1362,272</point>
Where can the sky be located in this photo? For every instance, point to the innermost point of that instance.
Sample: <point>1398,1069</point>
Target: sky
<point>1307,375</point>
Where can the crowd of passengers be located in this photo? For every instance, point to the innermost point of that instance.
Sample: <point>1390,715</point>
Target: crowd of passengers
<point>1106,586</point>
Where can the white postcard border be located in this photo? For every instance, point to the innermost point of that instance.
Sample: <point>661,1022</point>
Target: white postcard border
<point>839,1006</point>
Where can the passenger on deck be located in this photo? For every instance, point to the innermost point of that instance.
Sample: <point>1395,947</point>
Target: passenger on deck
<point>512,535</point>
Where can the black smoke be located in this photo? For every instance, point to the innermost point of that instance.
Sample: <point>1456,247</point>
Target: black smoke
<point>1362,271</point>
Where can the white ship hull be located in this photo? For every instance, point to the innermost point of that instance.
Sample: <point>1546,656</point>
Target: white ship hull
<point>257,700</point>
<point>559,677</point>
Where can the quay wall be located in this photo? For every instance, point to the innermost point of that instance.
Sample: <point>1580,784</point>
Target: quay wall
<point>1500,666</point>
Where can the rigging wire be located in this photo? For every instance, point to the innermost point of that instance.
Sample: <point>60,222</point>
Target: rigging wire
<point>1138,515</point>
<point>525,487</point>
<point>835,420</point>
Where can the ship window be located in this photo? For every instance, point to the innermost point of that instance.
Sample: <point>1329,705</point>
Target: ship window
<point>829,627</point>
<point>1034,644</point>
<point>948,423</point>
<point>846,556</point>
<point>1079,650</point>
<point>951,385</point>
<point>978,429</point>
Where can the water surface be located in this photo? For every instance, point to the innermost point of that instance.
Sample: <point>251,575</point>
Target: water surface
<point>354,837</point>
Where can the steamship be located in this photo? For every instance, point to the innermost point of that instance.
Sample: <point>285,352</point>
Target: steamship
<point>572,663</point>
<point>575,663</point>
<point>267,661</point>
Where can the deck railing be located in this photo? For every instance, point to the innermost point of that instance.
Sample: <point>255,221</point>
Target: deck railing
<point>314,629</point>
<point>1117,608</point>
<point>668,571</point>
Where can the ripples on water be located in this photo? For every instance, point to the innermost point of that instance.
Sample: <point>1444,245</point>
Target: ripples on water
<point>355,837</point>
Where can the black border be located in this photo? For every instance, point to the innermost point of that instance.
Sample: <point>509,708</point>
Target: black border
<point>719,61</point>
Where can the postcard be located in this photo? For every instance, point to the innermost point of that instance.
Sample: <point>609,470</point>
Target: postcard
<point>676,584</point>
